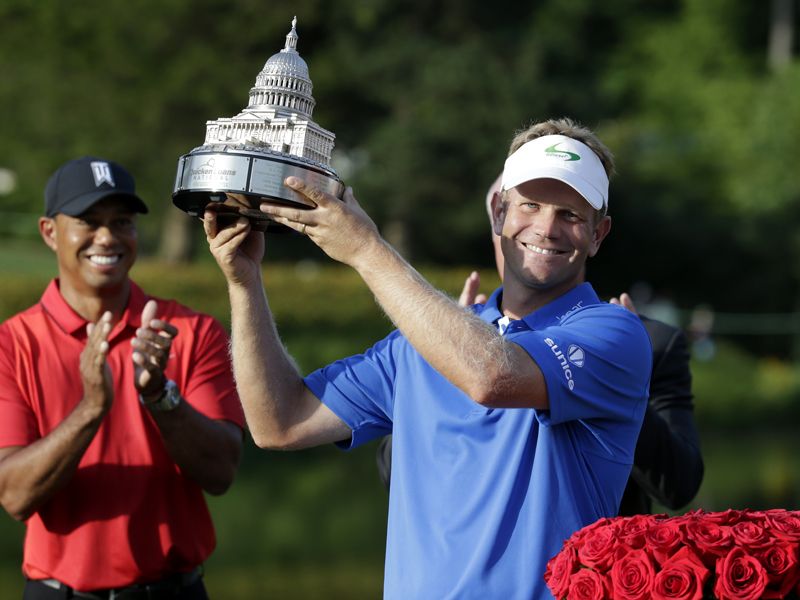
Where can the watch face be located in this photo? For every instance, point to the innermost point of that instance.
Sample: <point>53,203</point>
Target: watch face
<point>169,400</point>
<point>172,396</point>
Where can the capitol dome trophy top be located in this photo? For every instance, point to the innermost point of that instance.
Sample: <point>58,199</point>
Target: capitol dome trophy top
<point>245,159</point>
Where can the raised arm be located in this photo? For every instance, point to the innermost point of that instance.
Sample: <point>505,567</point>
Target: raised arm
<point>465,349</point>
<point>281,411</point>
<point>30,475</point>
<point>469,295</point>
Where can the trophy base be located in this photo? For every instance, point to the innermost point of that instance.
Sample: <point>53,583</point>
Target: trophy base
<point>235,180</point>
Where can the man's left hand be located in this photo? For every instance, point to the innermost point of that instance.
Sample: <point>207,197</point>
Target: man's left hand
<point>340,227</point>
<point>151,348</point>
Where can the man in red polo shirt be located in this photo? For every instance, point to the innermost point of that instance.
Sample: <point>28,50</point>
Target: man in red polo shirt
<point>117,410</point>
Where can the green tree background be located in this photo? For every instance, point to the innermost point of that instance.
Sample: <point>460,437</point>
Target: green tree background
<point>697,98</point>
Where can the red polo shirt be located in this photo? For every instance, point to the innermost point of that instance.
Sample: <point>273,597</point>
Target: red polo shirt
<point>127,515</point>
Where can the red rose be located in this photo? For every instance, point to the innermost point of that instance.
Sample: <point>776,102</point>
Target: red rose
<point>681,578</point>
<point>598,550</point>
<point>757,516</point>
<point>587,584</point>
<point>784,524</point>
<point>755,555</point>
<point>663,538</point>
<point>632,530</point>
<point>750,535</point>
<point>726,517</point>
<point>740,577</point>
<point>632,576</point>
<point>710,539</point>
<point>780,562</point>
<point>579,536</point>
<point>559,569</point>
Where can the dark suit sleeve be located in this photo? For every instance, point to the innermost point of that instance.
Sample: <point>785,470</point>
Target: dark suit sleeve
<point>668,464</point>
<point>384,460</point>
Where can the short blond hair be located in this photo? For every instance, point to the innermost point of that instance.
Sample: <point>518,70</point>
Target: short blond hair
<point>567,127</point>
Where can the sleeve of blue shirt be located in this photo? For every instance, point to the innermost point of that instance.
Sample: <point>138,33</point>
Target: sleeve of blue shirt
<point>360,389</point>
<point>596,363</point>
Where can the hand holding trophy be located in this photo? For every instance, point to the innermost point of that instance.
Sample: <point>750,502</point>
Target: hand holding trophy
<point>245,159</point>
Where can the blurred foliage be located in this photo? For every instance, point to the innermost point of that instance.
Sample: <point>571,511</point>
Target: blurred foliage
<point>424,98</point>
<point>736,389</point>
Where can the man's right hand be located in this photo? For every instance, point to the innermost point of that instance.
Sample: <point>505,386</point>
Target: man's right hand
<point>238,249</point>
<point>98,389</point>
<point>625,301</point>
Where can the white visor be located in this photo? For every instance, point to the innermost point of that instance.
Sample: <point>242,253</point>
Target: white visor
<point>562,158</point>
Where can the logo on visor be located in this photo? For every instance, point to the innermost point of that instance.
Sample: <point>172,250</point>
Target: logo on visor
<point>576,355</point>
<point>562,154</point>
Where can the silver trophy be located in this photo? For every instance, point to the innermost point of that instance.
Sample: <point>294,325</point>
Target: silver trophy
<point>245,159</point>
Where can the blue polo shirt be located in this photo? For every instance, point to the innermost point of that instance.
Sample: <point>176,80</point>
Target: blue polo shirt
<point>482,498</point>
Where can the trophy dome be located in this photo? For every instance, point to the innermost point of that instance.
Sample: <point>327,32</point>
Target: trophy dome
<point>284,82</point>
<point>278,115</point>
<point>286,63</point>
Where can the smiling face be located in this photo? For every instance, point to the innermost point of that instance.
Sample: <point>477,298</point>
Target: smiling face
<point>95,250</point>
<point>547,232</point>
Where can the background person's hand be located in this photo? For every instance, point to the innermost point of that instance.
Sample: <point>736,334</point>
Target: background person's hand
<point>98,388</point>
<point>340,228</point>
<point>625,301</point>
<point>151,348</point>
<point>237,248</point>
<point>469,295</point>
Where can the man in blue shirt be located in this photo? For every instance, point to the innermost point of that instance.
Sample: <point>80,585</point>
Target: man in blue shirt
<point>668,464</point>
<point>514,422</point>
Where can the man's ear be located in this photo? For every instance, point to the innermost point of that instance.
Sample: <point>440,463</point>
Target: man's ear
<point>600,232</point>
<point>498,213</point>
<point>47,229</point>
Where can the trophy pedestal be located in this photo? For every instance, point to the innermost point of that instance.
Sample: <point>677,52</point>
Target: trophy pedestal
<point>236,179</point>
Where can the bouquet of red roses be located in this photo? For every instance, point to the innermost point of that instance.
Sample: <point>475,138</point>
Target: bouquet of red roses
<point>735,554</point>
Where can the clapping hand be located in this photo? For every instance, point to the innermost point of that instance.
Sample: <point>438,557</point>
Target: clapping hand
<point>95,372</point>
<point>151,348</point>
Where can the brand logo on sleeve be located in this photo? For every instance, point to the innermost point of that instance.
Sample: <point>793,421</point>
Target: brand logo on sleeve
<point>563,362</point>
<point>576,355</point>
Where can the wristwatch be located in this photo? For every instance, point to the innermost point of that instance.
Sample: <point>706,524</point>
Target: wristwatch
<point>169,399</point>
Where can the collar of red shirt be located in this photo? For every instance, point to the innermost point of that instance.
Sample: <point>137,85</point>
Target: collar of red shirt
<point>74,324</point>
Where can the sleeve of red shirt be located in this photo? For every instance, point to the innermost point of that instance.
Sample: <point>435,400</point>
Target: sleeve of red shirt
<point>207,382</point>
<point>17,420</point>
